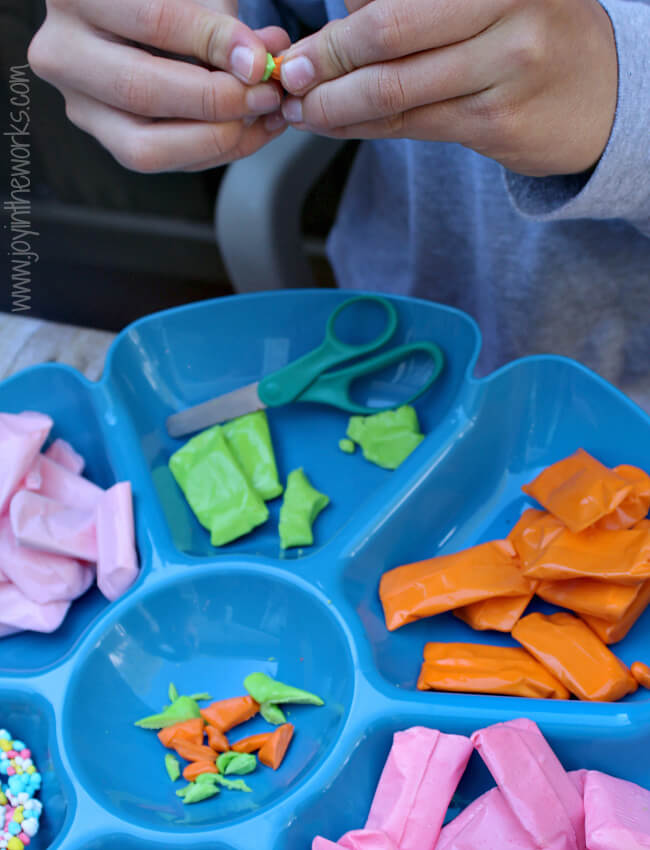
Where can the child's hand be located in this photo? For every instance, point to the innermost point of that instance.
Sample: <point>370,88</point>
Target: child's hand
<point>152,112</point>
<point>529,83</point>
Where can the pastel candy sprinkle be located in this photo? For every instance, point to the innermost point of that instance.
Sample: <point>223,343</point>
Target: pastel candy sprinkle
<point>15,844</point>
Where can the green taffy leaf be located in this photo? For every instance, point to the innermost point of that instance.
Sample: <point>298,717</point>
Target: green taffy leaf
<point>272,714</point>
<point>184,708</point>
<point>347,446</point>
<point>269,68</point>
<point>236,763</point>
<point>232,784</point>
<point>172,766</point>
<point>386,438</point>
<point>301,505</point>
<point>199,791</point>
<point>216,487</point>
<point>249,439</point>
<point>183,791</point>
<point>202,696</point>
<point>172,693</point>
<point>202,778</point>
<point>265,689</point>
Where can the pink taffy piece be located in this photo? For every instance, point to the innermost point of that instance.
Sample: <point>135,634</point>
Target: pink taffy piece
<point>20,613</point>
<point>61,452</point>
<point>50,526</point>
<point>56,482</point>
<point>40,576</point>
<point>21,439</point>
<point>421,774</point>
<point>486,824</point>
<point>358,839</point>
<point>617,813</point>
<point>117,563</point>
<point>534,784</point>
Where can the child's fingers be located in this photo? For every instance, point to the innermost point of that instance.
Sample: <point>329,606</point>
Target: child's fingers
<point>183,27</point>
<point>275,39</point>
<point>157,146</point>
<point>132,80</point>
<point>253,138</point>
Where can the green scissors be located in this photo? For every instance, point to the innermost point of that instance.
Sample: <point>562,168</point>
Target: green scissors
<point>309,378</point>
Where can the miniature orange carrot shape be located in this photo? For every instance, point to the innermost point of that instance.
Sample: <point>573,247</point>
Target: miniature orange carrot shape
<point>251,744</point>
<point>196,768</point>
<point>272,69</point>
<point>194,752</point>
<point>641,673</point>
<point>192,730</point>
<point>227,713</point>
<point>275,73</point>
<point>274,750</point>
<point>217,740</point>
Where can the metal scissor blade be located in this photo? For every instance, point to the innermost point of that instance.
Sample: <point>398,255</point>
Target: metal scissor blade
<point>216,410</point>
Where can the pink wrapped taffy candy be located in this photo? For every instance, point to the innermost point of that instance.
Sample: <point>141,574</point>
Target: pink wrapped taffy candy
<point>18,613</point>
<point>61,452</point>
<point>117,563</point>
<point>56,482</point>
<point>50,526</point>
<point>21,438</point>
<point>617,813</point>
<point>358,839</point>
<point>534,784</point>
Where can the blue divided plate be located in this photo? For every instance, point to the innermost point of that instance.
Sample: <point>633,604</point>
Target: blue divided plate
<point>205,617</point>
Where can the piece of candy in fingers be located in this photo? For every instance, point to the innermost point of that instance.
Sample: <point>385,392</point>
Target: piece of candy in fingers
<point>617,813</point>
<point>50,526</point>
<point>272,69</point>
<point>42,577</point>
<point>536,787</point>
<point>61,452</point>
<point>21,438</point>
<point>117,561</point>
<point>419,778</point>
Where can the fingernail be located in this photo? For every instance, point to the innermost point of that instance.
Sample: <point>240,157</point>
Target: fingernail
<point>241,62</point>
<point>298,73</point>
<point>263,99</point>
<point>292,110</point>
<point>274,121</point>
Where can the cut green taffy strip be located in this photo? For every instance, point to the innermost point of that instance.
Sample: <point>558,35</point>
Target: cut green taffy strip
<point>272,714</point>
<point>173,693</point>
<point>301,505</point>
<point>173,767</point>
<point>249,439</point>
<point>195,792</point>
<point>236,763</point>
<point>183,708</point>
<point>387,438</point>
<point>231,784</point>
<point>264,689</point>
<point>216,487</point>
<point>347,446</point>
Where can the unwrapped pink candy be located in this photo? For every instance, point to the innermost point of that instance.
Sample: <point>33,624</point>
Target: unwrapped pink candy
<point>21,438</point>
<point>617,813</point>
<point>117,564</point>
<point>61,452</point>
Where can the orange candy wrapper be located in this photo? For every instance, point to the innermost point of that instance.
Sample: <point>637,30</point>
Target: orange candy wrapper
<point>573,653</point>
<point>613,632</point>
<point>499,614</point>
<point>480,669</point>
<point>533,533</point>
<point>622,557</point>
<point>635,505</point>
<point>426,588</point>
<point>601,599</point>
<point>579,490</point>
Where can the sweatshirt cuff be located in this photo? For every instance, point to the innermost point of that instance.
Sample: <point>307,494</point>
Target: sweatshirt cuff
<point>619,185</point>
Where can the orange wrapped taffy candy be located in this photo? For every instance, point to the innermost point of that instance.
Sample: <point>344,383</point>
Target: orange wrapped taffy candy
<point>439,584</point>
<point>601,599</point>
<point>613,632</point>
<point>641,673</point>
<point>575,655</point>
<point>578,490</point>
<point>635,505</point>
<point>533,533</point>
<point>479,669</point>
<point>622,557</point>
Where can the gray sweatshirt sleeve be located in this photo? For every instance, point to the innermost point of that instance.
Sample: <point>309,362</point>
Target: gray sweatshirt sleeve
<point>619,186</point>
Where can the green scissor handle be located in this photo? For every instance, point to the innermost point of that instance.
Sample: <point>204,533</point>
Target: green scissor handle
<point>334,387</point>
<point>290,382</point>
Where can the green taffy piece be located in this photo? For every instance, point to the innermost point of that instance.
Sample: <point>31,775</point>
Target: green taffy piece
<point>249,439</point>
<point>237,763</point>
<point>195,792</point>
<point>272,714</point>
<point>216,488</point>
<point>347,446</point>
<point>387,438</point>
<point>265,689</point>
<point>172,693</point>
<point>269,68</point>
<point>232,784</point>
<point>301,505</point>
<point>173,767</point>
<point>183,708</point>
